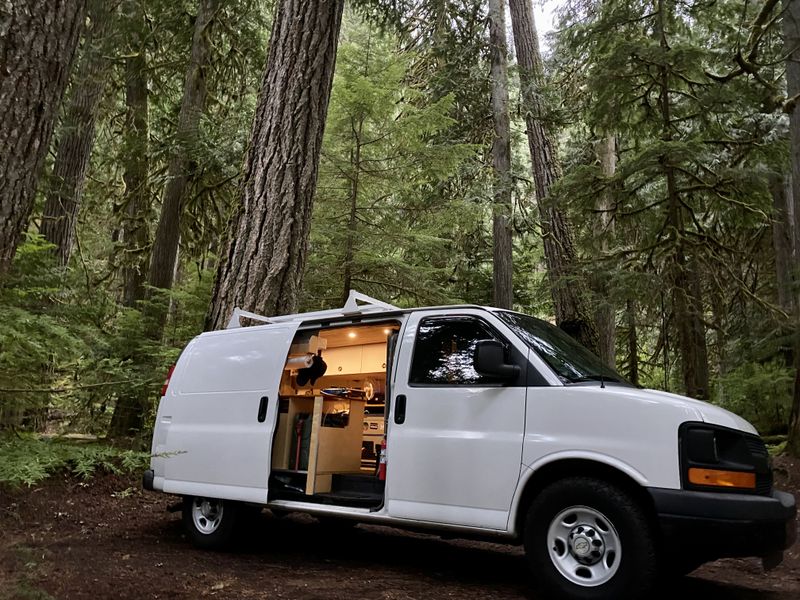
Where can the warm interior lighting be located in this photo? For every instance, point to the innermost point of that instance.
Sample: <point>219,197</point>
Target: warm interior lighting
<point>352,334</point>
<point>722,478</point>
<point>387,331</point>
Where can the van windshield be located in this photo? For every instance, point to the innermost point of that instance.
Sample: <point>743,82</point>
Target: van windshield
<point>572,362</point>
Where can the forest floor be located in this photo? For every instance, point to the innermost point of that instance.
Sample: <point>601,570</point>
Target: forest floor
<point>106,538</point>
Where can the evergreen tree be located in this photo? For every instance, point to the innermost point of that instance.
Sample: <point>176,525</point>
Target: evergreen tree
<point>76,140</point>
<point>382,221</point>
<point>263,261</point>
<point>38,44</point>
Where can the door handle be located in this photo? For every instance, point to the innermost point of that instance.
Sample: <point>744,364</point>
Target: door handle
<point>400,409</point>
<point>262,409</point>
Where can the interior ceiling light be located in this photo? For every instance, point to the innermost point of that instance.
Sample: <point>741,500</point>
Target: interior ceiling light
<point>352,334</point>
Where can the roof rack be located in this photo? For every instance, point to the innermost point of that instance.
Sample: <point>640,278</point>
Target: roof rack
<point>369,305</point>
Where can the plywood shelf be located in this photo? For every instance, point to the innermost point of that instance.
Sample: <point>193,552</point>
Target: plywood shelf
<point>331,449</point>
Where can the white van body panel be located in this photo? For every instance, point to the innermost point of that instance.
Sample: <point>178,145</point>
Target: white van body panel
<point>709,412</point>
<point>207,430</point>
<point>455,459</point>
<point>624,427</point>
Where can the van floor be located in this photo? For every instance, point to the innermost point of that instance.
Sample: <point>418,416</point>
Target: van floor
<point>352,490</point>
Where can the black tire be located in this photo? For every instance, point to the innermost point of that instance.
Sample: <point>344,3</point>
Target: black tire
<point>210,523</point>
<point>621,563</point>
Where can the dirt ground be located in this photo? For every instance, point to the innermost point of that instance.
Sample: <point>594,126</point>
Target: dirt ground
<point>106,538</point>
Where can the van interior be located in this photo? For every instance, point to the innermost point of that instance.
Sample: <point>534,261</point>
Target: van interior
<point>331,418</point>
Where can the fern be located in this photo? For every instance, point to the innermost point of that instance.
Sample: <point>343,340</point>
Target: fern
<point>27,460</point>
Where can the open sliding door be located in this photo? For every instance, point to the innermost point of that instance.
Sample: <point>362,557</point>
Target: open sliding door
<point>223,412</point>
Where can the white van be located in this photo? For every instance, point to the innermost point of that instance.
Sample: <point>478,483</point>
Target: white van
<point>469,421</point>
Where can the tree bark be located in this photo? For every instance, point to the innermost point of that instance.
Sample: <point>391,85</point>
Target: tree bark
<point>568,291</point>
<point>686,298</point>
<point>131,408</point>
<point>165,245</point>
<point>136,161</point>
<point>720,320</point>
<point>791,34</point>
<point>75,143</point>
<point>503,266</point>
<point>352,223</point>
<point>38,39</point>
<point>782,239</point>
<point>633,342</point>
<point>605,313</point>
<point>262,267</point>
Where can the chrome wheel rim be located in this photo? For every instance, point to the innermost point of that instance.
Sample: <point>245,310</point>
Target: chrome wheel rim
<point>584,546</point>
<point>206,514</point>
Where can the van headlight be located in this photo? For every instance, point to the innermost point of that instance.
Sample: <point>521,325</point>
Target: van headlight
<point>715,458</point>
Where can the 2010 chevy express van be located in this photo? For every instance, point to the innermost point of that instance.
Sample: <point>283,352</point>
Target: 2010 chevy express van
<point>467,420</point>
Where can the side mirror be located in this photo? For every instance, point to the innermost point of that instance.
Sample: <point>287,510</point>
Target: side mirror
<point>490,360</point>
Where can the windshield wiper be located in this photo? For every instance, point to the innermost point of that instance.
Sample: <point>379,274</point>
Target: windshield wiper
<point>599,377</point>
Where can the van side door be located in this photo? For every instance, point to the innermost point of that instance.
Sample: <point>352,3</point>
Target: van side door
<point>455,437</point>
<point>220,414</point>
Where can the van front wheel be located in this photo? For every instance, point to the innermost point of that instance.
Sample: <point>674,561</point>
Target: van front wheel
<point>587,539</point>
<point>209,522</point>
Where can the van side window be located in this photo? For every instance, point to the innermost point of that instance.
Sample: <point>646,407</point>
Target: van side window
<point>444,352</point>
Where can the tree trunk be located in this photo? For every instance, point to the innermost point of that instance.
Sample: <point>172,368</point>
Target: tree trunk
<point>165,245</point>
<point>605,313</point>
<point>503,266</point>
<point>569,293</point>
<point>352,224</point>
<point>136,203</point>
<point>75,143</point>
<point>37,44</point>
<point>131,408</point>
<point>791,33</point>
<point>633,342</point>
<point>720,320</point>
<point>698,324</point>
<point>782,240</point>
<point>262,267</point>
<point>686,299</point>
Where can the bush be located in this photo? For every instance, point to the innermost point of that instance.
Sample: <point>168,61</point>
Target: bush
<point>759,392</point>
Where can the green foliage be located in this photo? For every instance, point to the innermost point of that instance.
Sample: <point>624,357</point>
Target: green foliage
<point>382,213</point>
<point>48,331</point>
<point>761,393</point>
<point>26,460</point>
<point>68,352</point>
<point>403,205</point>
<point>719,140</point>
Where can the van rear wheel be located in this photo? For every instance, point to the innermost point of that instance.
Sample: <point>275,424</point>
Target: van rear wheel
<point>209,522</point>
<point>587,539</point>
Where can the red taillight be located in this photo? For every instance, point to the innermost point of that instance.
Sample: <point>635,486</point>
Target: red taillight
<point>166,381</point>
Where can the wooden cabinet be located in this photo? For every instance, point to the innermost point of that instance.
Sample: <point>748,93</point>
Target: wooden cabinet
<point>343,361</point>
<point>352,360</point>
<point>373,358</point>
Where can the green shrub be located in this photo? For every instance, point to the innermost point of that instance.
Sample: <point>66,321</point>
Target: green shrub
<point>759,392</point>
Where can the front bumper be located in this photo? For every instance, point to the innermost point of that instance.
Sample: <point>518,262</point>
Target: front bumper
<point>712,525</point>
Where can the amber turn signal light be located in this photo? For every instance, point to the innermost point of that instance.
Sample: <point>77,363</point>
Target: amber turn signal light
<point>718,478</point>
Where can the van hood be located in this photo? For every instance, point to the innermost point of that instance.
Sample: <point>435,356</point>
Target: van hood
<point>706,412</point>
